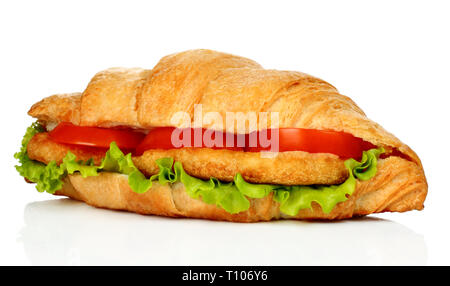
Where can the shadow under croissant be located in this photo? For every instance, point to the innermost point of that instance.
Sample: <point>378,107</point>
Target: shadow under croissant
<point>68,232</point>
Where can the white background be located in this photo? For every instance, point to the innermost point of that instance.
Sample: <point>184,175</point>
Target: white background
<point>391,57</point>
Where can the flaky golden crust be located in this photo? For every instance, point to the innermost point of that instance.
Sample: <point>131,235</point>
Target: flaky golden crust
<point>380,194</point>
<point>178,82</point>
<point>110,97</point>
<point>58,108</point>
<point>288,168</point>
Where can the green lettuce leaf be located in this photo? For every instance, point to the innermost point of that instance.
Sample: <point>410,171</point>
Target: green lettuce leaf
<point>224,195</point>
<point>232,196</point>
<point>46,177</point>
<point>70,165</point>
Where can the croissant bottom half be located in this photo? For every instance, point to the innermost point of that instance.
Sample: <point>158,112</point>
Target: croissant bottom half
<point>112,191</point>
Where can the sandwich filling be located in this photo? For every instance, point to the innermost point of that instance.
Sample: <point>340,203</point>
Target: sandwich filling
<point>231,196</point>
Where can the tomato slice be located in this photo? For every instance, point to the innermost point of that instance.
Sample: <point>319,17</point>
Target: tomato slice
<point>68,133</point>
<point>175,138</point>
<point>341,144</point>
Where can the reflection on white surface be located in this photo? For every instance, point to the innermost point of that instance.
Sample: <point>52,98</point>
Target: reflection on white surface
<point>67,232</point>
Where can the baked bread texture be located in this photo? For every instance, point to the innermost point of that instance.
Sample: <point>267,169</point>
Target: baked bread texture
<point>221,83</point>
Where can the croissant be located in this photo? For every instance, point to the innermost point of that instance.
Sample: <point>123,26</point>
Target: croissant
<point>146,100</point>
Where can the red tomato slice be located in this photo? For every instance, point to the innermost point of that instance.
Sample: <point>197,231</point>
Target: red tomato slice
<point>174,138</point>
<point>68,133</point>
<point>341,144</point>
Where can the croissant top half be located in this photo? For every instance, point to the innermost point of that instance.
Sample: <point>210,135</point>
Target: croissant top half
<point>221,83</point>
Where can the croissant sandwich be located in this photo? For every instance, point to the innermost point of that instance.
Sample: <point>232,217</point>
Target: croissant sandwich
<point>211,135</point>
